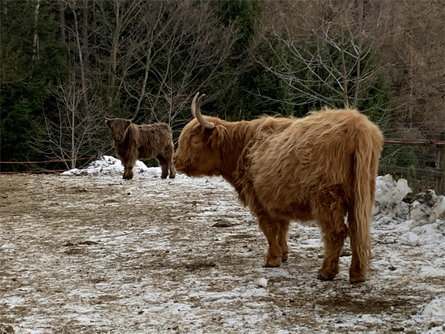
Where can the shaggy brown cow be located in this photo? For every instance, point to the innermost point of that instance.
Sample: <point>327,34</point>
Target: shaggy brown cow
<point>145,141</point>
<point>321,167</point>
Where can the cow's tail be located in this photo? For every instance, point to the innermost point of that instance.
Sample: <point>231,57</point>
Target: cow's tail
<point>368,145</point>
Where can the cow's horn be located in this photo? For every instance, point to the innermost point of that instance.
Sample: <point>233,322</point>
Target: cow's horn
<point>196,111</point>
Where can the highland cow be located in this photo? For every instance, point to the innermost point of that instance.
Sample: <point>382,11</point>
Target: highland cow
<point>145,141</point>
<point>321,167</point>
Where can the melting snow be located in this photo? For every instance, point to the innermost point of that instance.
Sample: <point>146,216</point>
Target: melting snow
<point>405,228</point>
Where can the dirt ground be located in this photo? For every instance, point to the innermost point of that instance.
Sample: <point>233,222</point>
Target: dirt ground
<point>88,254</point>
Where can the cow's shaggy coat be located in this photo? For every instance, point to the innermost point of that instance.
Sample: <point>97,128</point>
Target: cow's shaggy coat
<point>145,141</point>
<point>321,167</point>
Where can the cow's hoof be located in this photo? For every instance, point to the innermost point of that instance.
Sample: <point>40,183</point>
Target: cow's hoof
<point>272,262</point>
<point>172,176</point>
<point>271,265</point>
<point>357,278</point>
<point>285,257</point>
<point>325,275</point>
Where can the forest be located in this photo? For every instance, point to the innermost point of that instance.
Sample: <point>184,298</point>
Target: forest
<point>67,64</point>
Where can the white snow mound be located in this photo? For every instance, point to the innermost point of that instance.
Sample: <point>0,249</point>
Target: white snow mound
<point>107,165</point>
<point>389,197</point>
<point>428,207</point>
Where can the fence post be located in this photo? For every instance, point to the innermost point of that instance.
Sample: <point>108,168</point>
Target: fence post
<point>441,166</point>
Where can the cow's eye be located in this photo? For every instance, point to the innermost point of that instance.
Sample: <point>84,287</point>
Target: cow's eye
<point>196,142</point>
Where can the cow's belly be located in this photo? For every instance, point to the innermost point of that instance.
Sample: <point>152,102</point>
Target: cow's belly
<point>145,153</point>
<point>292,211</point>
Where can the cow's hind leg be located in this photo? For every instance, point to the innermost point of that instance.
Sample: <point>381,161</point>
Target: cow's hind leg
<point>169,158</point>
<point>334,229</point>
<point>360,250</point>
<point>164,166</point>
<point>172,170</point>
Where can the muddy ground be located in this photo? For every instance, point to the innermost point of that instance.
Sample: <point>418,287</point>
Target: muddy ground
<point>89,254</point>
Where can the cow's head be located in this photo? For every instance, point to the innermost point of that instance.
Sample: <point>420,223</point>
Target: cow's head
<point>118,127</point>
<point>199,144</point>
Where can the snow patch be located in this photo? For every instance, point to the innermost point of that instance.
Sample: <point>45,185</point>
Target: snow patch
<point>261,282</point>
<point>435,309</point>
<point>100,293</point>
<point>108,165</point>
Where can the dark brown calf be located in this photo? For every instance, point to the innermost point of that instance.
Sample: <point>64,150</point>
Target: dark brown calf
<point>145,141</point>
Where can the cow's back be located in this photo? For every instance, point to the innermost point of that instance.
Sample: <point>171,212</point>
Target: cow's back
<point>311,157</point>
<point>153,139</point>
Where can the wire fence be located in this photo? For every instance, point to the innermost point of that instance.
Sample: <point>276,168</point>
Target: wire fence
<point>422,163</point>
<point>44,166</point>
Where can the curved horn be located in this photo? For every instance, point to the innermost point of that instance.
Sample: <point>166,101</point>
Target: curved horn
<point>196,111</point>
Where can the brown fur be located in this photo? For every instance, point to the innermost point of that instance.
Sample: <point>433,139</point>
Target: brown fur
<point>144,141</point>
<point>321,167</point>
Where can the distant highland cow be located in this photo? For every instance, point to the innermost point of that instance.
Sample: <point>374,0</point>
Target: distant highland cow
<point>321,167</point>
<point>145,141</point>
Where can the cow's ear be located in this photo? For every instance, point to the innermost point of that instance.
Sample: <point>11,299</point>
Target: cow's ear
<point>127,123</point>
<point>107,121</point>
<point>218,135</point>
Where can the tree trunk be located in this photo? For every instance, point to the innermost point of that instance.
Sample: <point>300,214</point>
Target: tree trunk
<point>85,46</point>
<point>35,44</point>
<point>81,62</point>
<point>114,51</point>
<point>62,21</point>
<point>359,50</point>
<point>73,148</point>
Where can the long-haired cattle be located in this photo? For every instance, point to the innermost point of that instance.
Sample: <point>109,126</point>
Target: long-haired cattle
<point>145,141</point>
<point>321,167</point>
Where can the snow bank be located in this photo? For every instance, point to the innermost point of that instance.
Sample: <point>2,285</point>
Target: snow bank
<point>428,207</point>
<point>420,223</point>
<point>390,194</point>
<point>389,197</point>
<point>107,165</point>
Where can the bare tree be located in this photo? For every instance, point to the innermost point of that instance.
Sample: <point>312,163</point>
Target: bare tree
<point>414,49</point>
<point>160,54</point>
<point>80,52</point>
<point>73,133</point>
<point>327,60</point>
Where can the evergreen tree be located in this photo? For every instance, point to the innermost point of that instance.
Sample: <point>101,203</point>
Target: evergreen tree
<point>250,91</point>
<point>31,64</point>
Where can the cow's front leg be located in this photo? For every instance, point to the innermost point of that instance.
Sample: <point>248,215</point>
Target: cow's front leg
<point>271,229</point>
<point>282,235</point>
<point>128,170</point>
